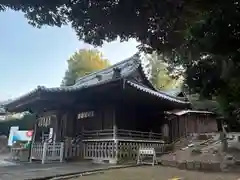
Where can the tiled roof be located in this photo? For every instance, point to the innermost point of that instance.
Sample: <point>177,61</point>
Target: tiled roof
<point>126,67</point>
<point>157,93</point>
<point>57,89</point>
<point>100,77</point>
<point>182,112</point>
<point>173,92</point>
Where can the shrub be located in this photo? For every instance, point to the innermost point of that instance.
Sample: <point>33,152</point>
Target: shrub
<point>196,151</point>
<point>203,137</point>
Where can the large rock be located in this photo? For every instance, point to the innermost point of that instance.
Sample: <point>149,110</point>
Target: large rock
<point>215,166</point>
<point>190,165</point>
<point>197,165</point>
<point>227,162</point>
<point>182,165</point>
<point>205,166</point>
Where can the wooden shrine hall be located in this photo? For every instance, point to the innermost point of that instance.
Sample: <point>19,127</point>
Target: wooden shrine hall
<point>106,116</point>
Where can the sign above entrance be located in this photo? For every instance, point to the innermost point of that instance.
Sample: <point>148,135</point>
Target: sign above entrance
<point>45,121</point>
<point>84,115</point>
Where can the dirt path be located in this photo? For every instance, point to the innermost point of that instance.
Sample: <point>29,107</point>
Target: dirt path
<point>157,173</point>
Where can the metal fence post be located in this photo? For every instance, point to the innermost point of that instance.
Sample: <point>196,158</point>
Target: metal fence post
<point>61,151</point>
<point>44,152</point>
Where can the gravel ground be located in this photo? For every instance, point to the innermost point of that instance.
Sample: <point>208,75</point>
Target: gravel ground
<point>157,173</point>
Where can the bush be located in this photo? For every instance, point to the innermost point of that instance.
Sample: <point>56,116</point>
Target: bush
<point>169,147</point>
<point>203,137</point>
<point>196,151</point>
<point>25,123</point>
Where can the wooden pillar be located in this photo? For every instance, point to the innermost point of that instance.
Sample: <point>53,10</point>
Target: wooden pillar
<point>115,138</point>
<point>170,130</point>
<point>70,124</point>
<point>55,128</point>
<point>33,141</point>
<point>198,124</point>
<point>62,127</point>
<point>59,125</point>
<point>114,125</point>
<point>207,124</point>
<point>174,131</point>
<point>178,127</point>
<point>185,125</point>
<point>181,123</point>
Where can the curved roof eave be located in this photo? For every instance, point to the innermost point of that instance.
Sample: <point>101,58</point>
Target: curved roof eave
<point>157,93</point>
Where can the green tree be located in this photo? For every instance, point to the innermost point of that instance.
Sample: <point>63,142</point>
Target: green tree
<point>160,25</point>
<point>83,62</point>
<point>160,74</point>
<point>213,70</point>
<point>202,36</point>
<point>25,123</point>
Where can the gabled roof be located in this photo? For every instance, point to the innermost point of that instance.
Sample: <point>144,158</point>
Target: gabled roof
<point>122,69</point>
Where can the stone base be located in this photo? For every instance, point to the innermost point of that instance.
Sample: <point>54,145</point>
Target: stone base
<point>182,165</point>
<point>169,163</point>
<point>105,161</point>
<point>190,165</point>
<point>193,165</point>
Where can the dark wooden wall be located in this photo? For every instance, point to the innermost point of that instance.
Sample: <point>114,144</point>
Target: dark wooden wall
<point>70,126</point>
<point>132,117</point>
<point>126,116</point>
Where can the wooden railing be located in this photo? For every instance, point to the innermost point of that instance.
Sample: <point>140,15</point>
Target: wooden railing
<point>98,134</point>
<point>121,134</point>
<point>73,151</point>
<point>107,144</point>
<point>53,151</point>
<point>99,150</point>
<point>112,144</point>
<point>47,151</point>
<point>115,151</point>
<point>36,151</point>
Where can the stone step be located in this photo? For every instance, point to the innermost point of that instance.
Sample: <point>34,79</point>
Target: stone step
<point>192,165</point>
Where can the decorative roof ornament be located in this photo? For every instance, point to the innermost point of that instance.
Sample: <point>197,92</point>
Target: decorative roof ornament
<point>116,73</point>
<point>99,77</point>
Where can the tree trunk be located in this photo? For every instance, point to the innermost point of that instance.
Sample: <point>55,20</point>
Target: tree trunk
<point>223,138</point>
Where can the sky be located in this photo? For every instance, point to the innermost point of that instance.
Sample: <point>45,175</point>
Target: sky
<point>30,57</point>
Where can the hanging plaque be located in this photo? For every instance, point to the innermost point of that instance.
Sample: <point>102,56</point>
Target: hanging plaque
<point>86,114</point>
<point>45,121</point>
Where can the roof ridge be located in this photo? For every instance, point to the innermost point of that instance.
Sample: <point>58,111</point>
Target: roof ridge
<point>112,66</point>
